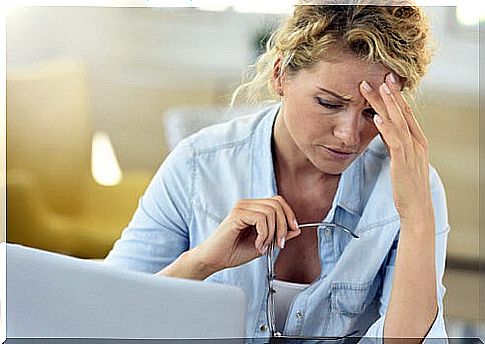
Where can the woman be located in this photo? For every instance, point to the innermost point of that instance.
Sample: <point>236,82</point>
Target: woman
<point>342,146</point>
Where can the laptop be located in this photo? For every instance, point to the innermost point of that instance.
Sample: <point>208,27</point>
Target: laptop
<point>50,295</point>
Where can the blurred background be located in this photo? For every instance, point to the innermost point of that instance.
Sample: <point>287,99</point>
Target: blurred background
<point>97,97</point>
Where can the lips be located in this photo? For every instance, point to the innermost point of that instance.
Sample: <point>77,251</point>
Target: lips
<point>339,151</point>
<point>338,154</point>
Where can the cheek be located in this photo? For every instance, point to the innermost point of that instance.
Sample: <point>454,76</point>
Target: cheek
<point>313,126</point>
<point>304,117</point>
<point>369,132</point>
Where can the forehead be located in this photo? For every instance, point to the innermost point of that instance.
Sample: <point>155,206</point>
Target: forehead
<point>343,74</point>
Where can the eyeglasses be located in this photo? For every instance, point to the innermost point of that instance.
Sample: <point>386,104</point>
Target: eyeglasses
<point>270,315</point>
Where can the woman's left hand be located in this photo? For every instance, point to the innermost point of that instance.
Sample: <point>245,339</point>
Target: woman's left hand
<point>408,148</point>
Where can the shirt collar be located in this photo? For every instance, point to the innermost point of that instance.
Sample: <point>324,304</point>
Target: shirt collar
<point>349,193</point>
<point>351,185</point>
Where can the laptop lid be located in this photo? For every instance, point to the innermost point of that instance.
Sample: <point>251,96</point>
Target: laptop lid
<point>52,295</point>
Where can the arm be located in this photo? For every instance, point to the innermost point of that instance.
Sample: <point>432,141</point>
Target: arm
<point>436,327</point>
<point>157,239</point>
<point>414,301</point>
<point>158,232</point>
<point>245,234</point>
<point>189,266</point>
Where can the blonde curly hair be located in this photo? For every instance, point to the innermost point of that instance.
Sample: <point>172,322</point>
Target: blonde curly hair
<point>395,36</point>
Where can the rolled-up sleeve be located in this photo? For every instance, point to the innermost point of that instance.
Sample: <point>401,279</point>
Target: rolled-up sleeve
<point>158,231</point>
<point>437,331</point>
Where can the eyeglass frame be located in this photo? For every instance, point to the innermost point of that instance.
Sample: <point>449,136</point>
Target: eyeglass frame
<point>270,316</point>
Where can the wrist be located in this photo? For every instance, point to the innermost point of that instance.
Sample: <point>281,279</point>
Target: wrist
<point>419,222</point>
<point>188,265</point>
<point>199,265</point>
<point>424,214</point>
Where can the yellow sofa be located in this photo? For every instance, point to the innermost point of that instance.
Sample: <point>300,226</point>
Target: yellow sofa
<point>53,202</point>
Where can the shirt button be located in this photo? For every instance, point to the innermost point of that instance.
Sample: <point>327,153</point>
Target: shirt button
<point>263,327</point>
<point>299,314</point>
<point>328,232</point>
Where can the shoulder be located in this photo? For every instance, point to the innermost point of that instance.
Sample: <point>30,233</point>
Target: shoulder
<point>237,131</point>
<point>234,132</point>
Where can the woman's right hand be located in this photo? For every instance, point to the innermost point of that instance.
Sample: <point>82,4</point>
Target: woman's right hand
<point>247,232</point>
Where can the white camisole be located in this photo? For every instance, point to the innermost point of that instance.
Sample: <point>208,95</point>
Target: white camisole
<point>285,292</point>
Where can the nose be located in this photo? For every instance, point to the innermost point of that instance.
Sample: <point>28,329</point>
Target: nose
<point>347,129</point>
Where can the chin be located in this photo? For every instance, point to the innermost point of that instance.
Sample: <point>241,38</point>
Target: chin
<point>331,168</point>
<point>332,172</point>
<point>326,164</point>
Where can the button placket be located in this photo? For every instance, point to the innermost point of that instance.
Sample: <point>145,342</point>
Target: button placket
<point>326,249</point>
<point>295,319</point>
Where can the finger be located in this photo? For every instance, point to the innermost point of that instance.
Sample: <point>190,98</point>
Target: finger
<point>265,207</point>
<point>393,109</point>
<point>290,218</point>
<point>403,135</point>
<point>256,220</point>
<point>387,121</point>
<point>394,129</point>
<point>289,213</point>
<point>374,98</point>
<point>414,127</point>
<point>381,119</point>
<point>292,234</point>
<point>281,223</point>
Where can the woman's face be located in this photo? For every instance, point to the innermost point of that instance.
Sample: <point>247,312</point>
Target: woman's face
<point>325,114</point>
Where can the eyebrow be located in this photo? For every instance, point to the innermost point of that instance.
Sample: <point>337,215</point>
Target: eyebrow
<point>336,95</point>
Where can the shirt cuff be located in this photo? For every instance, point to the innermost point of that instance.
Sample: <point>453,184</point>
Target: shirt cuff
<point>436,334</point>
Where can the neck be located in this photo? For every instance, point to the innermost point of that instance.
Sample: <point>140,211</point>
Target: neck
<point>290,161</point>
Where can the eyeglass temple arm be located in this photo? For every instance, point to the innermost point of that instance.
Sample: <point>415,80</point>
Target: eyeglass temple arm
<point>317,224</point>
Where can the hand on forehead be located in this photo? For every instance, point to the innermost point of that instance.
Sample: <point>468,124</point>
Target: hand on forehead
<point>343,76</point>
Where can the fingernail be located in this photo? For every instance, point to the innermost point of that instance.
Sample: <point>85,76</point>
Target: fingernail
<point>296,223</point>
<point>386,89</point>
<point>282,242</point>
<point>392,77</point>
<point>366,86</point>
<point>377,119</point>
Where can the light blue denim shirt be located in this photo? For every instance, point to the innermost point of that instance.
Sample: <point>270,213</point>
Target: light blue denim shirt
<point>206,174</point>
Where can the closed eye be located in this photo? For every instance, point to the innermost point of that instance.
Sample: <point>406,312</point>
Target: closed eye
<point>327,104</point>
<point>370,112</point>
